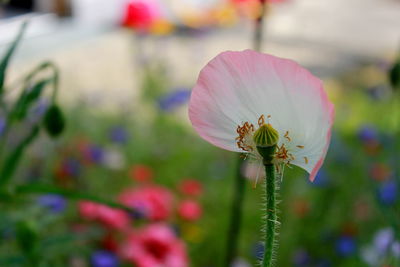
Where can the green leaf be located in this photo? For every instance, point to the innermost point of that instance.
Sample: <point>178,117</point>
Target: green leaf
<point>6,59</point>
<point>27,98</point>
<point>54,121</point>
<point>11,162</point>
<point>27,237</point>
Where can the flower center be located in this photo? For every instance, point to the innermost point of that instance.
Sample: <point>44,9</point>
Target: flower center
<point>245,142</point>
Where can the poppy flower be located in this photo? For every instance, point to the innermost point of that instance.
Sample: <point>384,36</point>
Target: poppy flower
<point>190,210</point>
<point>152,202</point>
<point>238,92</point>
<point>191,187</point>
<point>141,173</point>
<point>154,245</point>
<point>110,217</point>
<point>140,14</point>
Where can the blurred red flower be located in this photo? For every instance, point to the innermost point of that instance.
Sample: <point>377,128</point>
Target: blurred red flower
<point>113,218</point>
<point>154,245</point>
<point>380,172</point>
<point>301,207</point>
<point>190,210</point>
<point>191,187</point>
<point>152,202</point>
<point>139,15</point>
<point>141,173</point>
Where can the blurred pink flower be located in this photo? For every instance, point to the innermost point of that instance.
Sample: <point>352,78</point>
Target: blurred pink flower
<point>140,14</point>
<point>151,201</point>
<point>113,218</point>
<point>191,187</point>
<point>238,91</point>
<point>154,245</point>
<point>190,210</point>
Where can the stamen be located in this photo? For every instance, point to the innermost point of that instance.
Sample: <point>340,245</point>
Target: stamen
<point>300,146</point>
<point>261,121</point>
<point>287,136</point>
<point>283,155</point>
<point>306,160</point>
<point>243,131</point>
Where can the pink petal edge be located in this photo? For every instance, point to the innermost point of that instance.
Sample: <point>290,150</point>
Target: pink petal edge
<point>328,139</point>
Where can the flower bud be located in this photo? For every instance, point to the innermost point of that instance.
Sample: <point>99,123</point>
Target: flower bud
<point>54,121</point>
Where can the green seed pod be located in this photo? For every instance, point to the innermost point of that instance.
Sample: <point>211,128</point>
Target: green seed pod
<point>54,121</point>
<point>266,136</point>
<point>266,139</point>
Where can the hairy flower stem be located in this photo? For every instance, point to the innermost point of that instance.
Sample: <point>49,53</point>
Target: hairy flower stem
<point>271,217</point>
<point>258,32</point>
<point>236,215</point>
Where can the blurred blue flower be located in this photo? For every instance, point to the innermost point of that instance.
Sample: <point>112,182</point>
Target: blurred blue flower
<point>345,246</point>
<point>2,125</point>
<point>321,179</point>
<point>378,92</point>
<point>383,240</point>
<point>103,258</point>
<point>367,133</point>
<point>323,263</point>
<point>118,134</point>
<point>174,99</point>
<point>301,258</point>
<point>258,250</point>
<point>72,167</point>
<point>387,192</point>
<point>396,249</point>
<point>55,203</point>
<point>96,153</point>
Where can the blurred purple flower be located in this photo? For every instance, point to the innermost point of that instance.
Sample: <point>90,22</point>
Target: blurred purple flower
<point>2,125</point>
<point>301,258</point>
<point>138,213</point>
<point>396,249</point>
<point>103,258</point>
<point>387,192</point>
<point>55,203</point>
<point>383,239</point>
<point>240,263</point>
<point>367,134</point>
<point>40,108</point>
<point>118,134</point>
<point>345,246</point>
<point>96,153</point>
<point>72,167</point>
<point>174,99</point>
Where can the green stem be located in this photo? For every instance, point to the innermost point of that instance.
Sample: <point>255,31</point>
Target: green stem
<point>258,33</point>
<point>236,215</point>
<point>271,217</point>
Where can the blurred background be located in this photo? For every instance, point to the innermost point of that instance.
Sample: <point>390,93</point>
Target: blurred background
<point>123,71</point>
